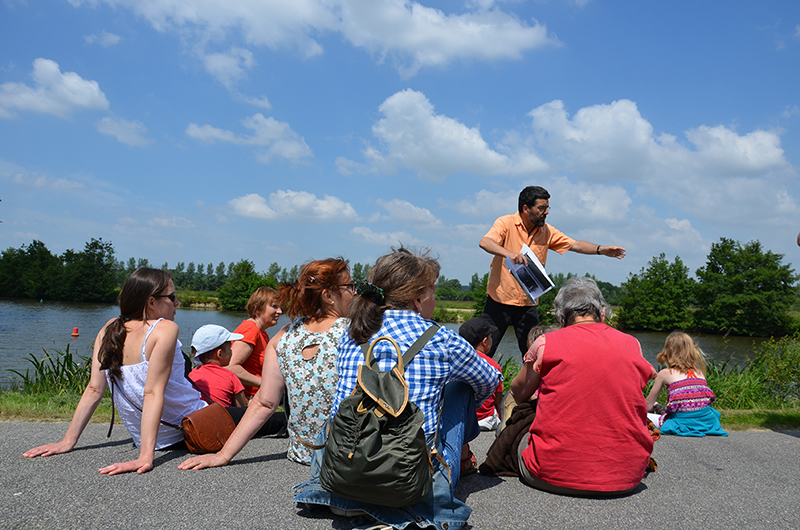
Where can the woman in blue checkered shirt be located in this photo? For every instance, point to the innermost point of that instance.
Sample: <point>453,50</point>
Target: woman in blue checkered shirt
<point>398,301</point>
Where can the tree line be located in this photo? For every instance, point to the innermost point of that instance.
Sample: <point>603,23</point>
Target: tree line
<point>742,289</point>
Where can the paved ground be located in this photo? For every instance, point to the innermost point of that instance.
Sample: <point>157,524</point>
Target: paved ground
<point>751,479</point>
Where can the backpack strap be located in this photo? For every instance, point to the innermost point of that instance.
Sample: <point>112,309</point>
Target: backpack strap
<point>412,352</point>
<point>414,349</point>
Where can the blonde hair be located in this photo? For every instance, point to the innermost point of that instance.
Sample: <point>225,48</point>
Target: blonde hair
<point>538,331</point>
<point>682,353</point>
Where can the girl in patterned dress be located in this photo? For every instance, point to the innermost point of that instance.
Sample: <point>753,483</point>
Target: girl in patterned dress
<point>688,411</point>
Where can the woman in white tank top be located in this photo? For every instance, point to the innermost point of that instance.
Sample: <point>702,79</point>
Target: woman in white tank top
<point>141,351</point>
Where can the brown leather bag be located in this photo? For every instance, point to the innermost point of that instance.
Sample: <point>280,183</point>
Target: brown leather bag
<point>206,430</point>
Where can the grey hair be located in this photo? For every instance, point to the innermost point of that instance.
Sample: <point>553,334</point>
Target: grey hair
<point>580,297</point>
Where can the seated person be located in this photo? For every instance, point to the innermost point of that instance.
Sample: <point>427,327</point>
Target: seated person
<point>589,435</point>
<point>478,332</point>
<point>137,351</point>
<point>398,302</point>
<point>211,346</point>
<point>689,398</point>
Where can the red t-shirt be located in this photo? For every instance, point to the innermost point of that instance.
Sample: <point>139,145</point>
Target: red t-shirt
<point>488,407</point>
<point>590,428</point>
<point>258,339</point>
<point>219,383</point>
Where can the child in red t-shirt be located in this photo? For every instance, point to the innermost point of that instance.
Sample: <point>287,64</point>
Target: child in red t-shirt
<point>211,346</point>
<point>478,332</point>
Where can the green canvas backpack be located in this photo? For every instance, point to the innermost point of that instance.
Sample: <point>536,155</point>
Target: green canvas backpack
<point>376,450</point>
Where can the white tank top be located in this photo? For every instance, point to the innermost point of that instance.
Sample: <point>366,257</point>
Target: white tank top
<point>180,398</point>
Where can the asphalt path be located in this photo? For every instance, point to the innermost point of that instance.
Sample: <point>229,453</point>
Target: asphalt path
<point>750,479</point>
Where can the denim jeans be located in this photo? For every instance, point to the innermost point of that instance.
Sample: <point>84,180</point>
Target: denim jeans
<point>440,508</point>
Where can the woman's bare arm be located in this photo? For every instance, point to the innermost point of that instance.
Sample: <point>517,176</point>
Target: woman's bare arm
<point>261,407</point>
<point>91,397</point>
<point>163,339</point>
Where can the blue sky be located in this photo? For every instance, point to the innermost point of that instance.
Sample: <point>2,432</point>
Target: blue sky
<point>278,131</point>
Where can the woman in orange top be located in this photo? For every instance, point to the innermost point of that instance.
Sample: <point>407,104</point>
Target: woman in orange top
<point>248,353</point>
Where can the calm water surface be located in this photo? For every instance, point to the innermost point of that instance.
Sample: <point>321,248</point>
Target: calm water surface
<point>28,326</point>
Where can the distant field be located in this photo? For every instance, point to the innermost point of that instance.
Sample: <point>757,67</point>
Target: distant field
<point>453,304</point>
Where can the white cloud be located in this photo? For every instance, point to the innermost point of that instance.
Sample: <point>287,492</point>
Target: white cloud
<point>256,101</point>
<point>487,204</point>
<point>721,150</point>
<point>45,182</point>
<point>790,111</point>
<point>592,203</point>
<point>413,35</point>
<point>170,221</point>
<point>277,136</point>
<point>384,239</point>
<point>105,39</point>
<point>614,142</point>
<point>53,92</point>
<point>127,132</point>
<point>293,205</point>
<point>230,67</point>
<point>252,205</point>
<point>679,236</point>
<point>417,36</point>
<point>435,145</point>
<point>401,211</point>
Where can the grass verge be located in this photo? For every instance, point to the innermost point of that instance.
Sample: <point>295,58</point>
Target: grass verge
<point>47,407</point>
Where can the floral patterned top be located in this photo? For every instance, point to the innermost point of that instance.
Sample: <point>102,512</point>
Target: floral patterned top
<point>311,383</point>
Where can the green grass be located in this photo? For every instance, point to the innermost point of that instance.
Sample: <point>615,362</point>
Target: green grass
<point>764,393</point>
<point>16,405</point>
<point>455,304</point>
<point>776,420</point>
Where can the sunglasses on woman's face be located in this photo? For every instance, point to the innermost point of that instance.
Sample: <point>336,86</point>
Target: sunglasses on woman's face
<point>171,296</point>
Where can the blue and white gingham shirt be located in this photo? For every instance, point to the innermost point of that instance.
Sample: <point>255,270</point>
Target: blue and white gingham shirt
<point>446,357</point>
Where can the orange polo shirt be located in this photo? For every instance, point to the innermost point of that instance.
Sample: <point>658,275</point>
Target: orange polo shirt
<point>509,232</point>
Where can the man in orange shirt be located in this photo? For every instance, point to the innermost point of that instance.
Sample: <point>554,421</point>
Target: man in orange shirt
<point>506,303</point>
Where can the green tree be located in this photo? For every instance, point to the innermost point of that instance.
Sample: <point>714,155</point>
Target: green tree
<point>360,272</point>
<point>274,271</point>
<point>658,298</point>
<point>479,295</point>
<point>28,272</point>
<point>449,289</point>
<point>219,276</point>
<point>89,276</point>
<point>241,283</point>
<point>744,290</point>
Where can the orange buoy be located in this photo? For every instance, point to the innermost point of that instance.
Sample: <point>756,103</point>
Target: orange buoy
<point>75,332</point>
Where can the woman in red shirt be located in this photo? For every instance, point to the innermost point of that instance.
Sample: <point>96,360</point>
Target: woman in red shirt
<point>589,436</point>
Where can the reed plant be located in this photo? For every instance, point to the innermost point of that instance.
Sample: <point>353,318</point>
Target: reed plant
<point>510,369</point>
<point>59,372</point>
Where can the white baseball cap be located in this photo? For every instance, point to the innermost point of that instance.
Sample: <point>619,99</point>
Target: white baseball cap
<point>211,336</point>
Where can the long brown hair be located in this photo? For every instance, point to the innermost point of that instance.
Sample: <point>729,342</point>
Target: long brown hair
<point>303,298</point>
<point>402,276</point>
<point>136,291</point>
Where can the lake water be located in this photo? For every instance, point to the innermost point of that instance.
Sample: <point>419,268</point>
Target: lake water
<point>27,326</point>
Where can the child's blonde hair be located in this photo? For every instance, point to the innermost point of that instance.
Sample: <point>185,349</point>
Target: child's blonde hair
<point>682,353</point>
<point>538,331</point>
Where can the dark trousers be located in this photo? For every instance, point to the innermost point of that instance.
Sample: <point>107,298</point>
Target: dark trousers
<point>274,424</point>
<point>523,318</point>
